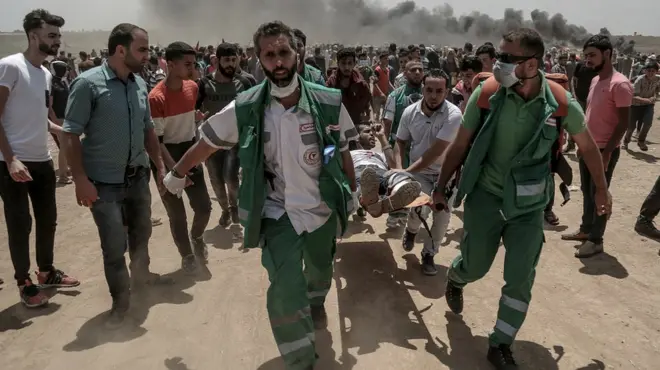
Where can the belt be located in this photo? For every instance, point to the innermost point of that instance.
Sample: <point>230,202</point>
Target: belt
<point>133,171</point>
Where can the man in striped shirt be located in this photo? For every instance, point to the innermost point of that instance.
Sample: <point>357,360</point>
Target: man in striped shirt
<point>172,103</point>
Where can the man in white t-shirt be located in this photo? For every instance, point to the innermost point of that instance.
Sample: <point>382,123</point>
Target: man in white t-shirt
<point>26,168</point>
<point>381,190</point>
<point>428,127</point>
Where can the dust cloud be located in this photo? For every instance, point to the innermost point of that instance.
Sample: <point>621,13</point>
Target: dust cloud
<point>347,21</point>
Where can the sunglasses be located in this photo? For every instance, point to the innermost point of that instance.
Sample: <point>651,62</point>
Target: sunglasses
<point>513,59</point>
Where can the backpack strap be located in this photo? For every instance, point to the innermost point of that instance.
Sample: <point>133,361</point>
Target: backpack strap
<point>559,92</point>
<point>488,89</point>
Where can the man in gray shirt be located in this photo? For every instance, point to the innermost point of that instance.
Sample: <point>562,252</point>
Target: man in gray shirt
<point>109,104</point>
<point>428,126</point>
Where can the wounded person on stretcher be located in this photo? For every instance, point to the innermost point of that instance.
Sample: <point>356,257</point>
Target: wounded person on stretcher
<point>381,187</point>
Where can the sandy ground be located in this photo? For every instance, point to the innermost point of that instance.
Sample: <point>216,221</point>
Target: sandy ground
<point>598,313</point>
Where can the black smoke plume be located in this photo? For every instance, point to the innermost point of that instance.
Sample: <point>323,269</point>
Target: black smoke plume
<point>350,22</point>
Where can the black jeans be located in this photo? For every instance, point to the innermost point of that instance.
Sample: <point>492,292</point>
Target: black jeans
<point>223,167</point>
<point>641,119</point>
<point>16,198</point>
<point>593,224</point>
<point>123,217</point>
<point>651,205</point>
<point>200,202</point>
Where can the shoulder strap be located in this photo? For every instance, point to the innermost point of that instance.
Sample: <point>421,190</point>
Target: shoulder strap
<point>488,89</point>
<point>559,92</point>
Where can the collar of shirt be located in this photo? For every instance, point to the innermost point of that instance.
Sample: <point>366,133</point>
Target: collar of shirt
<point>543,94</point>
<point>111,75</point>
<point>303,101</point>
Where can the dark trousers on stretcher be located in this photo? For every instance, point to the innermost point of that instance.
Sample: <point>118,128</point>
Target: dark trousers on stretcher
<point>523,240</point>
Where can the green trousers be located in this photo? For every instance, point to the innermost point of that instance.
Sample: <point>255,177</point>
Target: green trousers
<point>523,239</point>
<point>292,291</point>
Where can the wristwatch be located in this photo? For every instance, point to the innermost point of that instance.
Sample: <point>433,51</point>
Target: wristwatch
<point>176,174</point>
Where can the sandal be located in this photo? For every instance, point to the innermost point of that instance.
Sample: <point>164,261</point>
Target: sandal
<point>551,218</point>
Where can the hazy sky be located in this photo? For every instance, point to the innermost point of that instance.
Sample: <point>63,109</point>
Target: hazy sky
<point>86,14</point>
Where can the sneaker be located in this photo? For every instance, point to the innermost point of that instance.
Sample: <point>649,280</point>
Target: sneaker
<point>408,241</point>
<point>501,357</point>
<point>225,219</point>
<point>576,236</point>
<point>369,184</point>
<point>31,295</point>
<point>56,279</point>
<point>319,317</point>
<point>200,249</point>
<point>233,211</point>
<point>392,222</point>
<point>588,249</point>
<point>115,319</point>
<point>405,195</point>
<point>454,297</point>
<point>647,228</point>
<point>361,213</point>
<point>642,146</point>
<point>189,264</point>
<point>428,265</point>
<point>624,146</point>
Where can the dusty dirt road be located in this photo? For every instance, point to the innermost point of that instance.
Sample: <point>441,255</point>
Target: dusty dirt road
<point>598,313</point>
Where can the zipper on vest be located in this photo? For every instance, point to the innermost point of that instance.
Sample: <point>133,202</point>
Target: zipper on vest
<point>502,214</point>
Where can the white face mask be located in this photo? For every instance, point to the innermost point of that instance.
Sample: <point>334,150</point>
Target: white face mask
<point>283,92</point>
<point>505,73</point>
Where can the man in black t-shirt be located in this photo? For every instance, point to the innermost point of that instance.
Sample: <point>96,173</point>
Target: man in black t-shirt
<point>59,94</point>
<point>580,84</point>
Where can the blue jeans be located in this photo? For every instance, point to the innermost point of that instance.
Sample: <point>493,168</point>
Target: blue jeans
<point>123,217</point>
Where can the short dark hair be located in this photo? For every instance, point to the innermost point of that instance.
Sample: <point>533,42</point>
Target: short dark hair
<point>226,50</point>
<point>83,55</point>
<point>38,17</point>
<point>393,47</point>
<point>383,54</point>
<point>436,73</point>
<point>122,35</point>
<point>346,53</point>
<point>275,28</point>
<point>600,42</point>
<point>530,40</point>
<point>486,49</point>
<point>403,53</point>
<point>468,47</point>
<point>300,35</point>
<point>153,59</point>
<point>471,62</point>
<point>178,50</point>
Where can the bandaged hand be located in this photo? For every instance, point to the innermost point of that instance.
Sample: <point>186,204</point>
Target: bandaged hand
<point>173,184</point>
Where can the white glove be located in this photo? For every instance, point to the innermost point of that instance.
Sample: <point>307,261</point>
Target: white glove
<point>174,184</point>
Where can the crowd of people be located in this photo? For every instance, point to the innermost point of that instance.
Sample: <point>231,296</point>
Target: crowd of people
<point>294,142</point>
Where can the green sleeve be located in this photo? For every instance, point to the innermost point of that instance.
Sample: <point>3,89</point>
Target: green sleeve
<point>574,123</point>
<point>472,115</point>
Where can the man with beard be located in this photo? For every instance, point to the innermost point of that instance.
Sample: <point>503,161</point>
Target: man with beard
<point>400,79</point>
<point>215,92</point>
<point>355,93</point>
<point>507,179</point>
<point>293,143</point>
<point>427,128</point>
<point>26,168</point>
<point>396,103</point>
<point>172,104</point>
<point>560,67</point>
<point>109,104</point>
<point>607,118</point>
<point>307,72</point>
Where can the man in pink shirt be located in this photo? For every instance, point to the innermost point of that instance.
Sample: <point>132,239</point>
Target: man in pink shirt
<point>608,114</point>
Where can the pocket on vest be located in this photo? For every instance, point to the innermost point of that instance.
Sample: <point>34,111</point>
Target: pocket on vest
<point>530,185</point>
<point>549,135</point>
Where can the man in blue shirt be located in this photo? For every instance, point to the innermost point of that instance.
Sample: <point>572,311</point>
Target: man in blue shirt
<point>110,165</point>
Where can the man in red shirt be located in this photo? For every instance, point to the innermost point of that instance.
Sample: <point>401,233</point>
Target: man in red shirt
<point>382,85</point>
<point>355,94</point>
<point>172,103</point>
<point>608,114</point>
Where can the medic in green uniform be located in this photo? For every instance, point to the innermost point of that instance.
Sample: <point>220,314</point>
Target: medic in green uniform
<point>507,183</point>
<point>298,177</point>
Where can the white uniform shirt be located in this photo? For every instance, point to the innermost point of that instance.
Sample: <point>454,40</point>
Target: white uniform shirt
<point>422,131</point>
<point>291,149</point>
<point>362,157</point>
